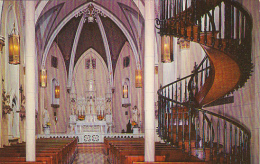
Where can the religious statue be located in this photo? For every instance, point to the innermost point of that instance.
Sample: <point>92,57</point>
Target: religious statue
<point>6,103</point>
<point>135,115</point>
<point>11,117</point>
<point>46,118</point>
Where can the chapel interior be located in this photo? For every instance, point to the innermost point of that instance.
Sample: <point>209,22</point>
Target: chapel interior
<point>171,80</point>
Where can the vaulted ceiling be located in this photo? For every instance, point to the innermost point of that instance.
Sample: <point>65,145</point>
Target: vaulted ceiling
<point>117,21</point>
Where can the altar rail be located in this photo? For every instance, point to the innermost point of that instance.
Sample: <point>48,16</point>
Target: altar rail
<point>92,137</point>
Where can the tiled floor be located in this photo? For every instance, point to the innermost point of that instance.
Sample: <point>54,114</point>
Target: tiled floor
<point>91,155</point>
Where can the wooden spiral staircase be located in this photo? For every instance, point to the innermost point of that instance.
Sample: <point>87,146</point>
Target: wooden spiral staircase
<point>223,29</point>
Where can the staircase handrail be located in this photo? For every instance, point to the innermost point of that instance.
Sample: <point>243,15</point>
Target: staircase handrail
<point>166,98</point>
<point>228,119</point>
<point>181,79</point>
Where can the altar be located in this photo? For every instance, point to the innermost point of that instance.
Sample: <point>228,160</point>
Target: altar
<point>90,124</point>
<point>90,108</point>
<point>98,126</point>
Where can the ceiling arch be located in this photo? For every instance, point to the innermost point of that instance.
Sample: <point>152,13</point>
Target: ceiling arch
<point>106,12</point>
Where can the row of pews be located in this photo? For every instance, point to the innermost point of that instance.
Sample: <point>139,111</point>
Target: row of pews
<point>131,151</point>
<point>48,150</point>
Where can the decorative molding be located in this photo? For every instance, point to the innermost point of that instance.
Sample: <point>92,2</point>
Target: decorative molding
<point>184,44</point>
<point>92,136</point>
<point>90,12</point>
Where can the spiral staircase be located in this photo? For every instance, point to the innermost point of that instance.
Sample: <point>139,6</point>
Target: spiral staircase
<point>223,28</point>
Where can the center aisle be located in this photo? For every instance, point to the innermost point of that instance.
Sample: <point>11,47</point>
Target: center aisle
<point>91,154</point>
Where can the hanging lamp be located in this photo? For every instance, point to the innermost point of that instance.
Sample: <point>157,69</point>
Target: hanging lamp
<point>57,91</point>
<point>166,49</point>
<point>14,47</point>
<point>125,90</point>
<point>138,78</point>
<point>43,78</point>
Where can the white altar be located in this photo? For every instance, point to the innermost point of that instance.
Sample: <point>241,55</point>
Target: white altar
<point>90,124</point>
<point>89,113</point>
<point>98,126</point>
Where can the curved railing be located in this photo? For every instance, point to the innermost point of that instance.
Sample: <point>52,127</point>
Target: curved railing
<point>176,110</point>
<point>193,127</point>
<point>219,24</point>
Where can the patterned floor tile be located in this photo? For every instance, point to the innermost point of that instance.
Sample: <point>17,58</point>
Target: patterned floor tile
<point>90,155</point>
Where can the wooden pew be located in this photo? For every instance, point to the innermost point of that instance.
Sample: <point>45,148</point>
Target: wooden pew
<point>55,153</point>
<point>120,156</point>
<point>23,159</point>
<point>108,141</point>
<point>131,159</point>
<point>47,150</point>
<point>127,150</point>
<point>23,162</point>
<point>169,162</point>
<point>120,151</point>
<point>70,148</point>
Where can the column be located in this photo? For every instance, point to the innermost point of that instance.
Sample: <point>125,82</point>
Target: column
<point>30,82</point>
<point>149,81</point>
<point>1,53</point>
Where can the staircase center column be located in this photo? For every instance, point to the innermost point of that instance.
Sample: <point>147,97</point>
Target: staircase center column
<point>149,81</point>
<point>30,83</point>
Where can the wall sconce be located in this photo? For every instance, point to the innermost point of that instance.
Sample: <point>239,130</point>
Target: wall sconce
<point>57,91</point>
<point>125,90</point>
<point>2,43</point>
<point>14,47</point>
<point>166,49</point>
<point>43,78</point>
<point>138,79</point>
